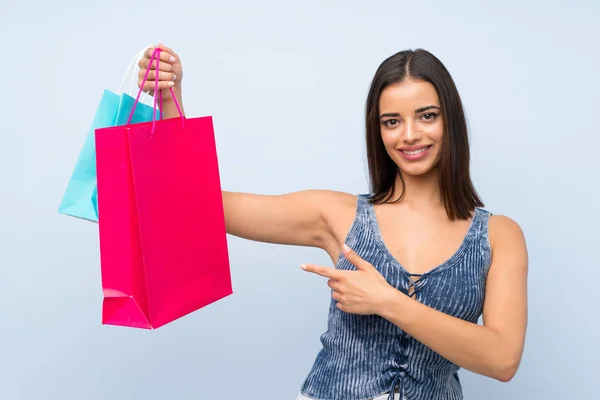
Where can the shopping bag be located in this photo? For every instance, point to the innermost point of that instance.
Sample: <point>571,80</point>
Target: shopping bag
<point>163,245</point>
<point>80,196</point>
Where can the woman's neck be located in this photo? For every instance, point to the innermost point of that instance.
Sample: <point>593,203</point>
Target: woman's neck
<point>421,191</point>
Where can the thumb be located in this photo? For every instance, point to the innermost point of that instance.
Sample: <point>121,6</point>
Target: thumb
<point>358,262</point>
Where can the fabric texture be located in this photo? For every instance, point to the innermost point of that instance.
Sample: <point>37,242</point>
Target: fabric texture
<point>363,357</point>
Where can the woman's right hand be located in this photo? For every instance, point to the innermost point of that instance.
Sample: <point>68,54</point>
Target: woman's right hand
<point>169,76</point>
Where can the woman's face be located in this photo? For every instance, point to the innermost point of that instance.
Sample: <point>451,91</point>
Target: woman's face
<point>411,126</point>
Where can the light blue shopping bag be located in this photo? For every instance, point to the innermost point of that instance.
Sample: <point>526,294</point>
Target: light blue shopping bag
<point>80,197</point>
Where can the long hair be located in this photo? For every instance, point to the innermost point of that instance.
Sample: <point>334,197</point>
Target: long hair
<point>457,191</point>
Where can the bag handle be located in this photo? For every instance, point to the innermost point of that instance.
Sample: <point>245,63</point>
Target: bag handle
<point>132,64</point>
<point>155,55</point>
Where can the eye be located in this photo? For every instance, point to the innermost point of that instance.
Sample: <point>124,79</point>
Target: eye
<point>429,116</point>
<point>390,123</point>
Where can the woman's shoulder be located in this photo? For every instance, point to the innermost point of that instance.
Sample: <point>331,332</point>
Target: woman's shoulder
<point>504,229</point>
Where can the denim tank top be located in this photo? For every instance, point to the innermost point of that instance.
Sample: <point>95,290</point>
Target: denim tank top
<point>365,356</point>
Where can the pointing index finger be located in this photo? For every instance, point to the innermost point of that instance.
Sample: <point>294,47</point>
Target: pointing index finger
<point>326,272</point>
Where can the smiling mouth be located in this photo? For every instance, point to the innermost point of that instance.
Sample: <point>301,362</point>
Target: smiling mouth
<point>415,152</point>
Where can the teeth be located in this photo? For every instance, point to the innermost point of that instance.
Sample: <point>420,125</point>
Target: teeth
<point>415,151</point>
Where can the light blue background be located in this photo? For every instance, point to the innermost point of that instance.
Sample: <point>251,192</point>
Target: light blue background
<point>286,84</point>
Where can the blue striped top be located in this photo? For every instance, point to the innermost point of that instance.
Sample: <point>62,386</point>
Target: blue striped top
<point>365,356</point>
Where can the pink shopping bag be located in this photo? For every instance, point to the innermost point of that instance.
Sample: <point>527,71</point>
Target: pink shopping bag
<point>163,246</point>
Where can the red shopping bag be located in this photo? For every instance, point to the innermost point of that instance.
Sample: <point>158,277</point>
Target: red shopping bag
<point>163,245</point>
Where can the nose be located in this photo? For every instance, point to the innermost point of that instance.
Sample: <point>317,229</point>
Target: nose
<point>411,133</point>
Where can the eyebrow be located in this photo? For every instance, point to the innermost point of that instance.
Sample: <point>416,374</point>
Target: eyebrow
<point>418,110</point>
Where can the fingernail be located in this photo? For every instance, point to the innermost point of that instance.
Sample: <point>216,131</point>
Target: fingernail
<point>172,59</point>
<point>174,77</point>
<point>171,83</point>
<point>346,248</point>
<point>303,266</point>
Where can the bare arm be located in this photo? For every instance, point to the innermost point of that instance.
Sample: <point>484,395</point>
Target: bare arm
<point>495,349</point>
<point>297,218</point>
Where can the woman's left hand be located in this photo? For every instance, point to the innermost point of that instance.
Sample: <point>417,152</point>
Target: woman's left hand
<point>364,291</point>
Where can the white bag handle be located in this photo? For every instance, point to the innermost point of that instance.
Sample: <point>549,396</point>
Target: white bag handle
<point>133,65</point>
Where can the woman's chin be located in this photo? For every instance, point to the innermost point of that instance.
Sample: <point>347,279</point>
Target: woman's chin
<point>415,170</point>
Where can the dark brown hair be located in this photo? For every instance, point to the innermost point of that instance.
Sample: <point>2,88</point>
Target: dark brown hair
<point>458,193</point>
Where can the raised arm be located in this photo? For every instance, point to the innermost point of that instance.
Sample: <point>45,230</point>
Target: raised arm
<point>299,218</point>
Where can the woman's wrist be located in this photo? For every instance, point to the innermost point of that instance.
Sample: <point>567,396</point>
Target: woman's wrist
<point>391,300</point>
<point>169,108</point>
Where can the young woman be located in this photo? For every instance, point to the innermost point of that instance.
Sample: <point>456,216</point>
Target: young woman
<point>417,260</point>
